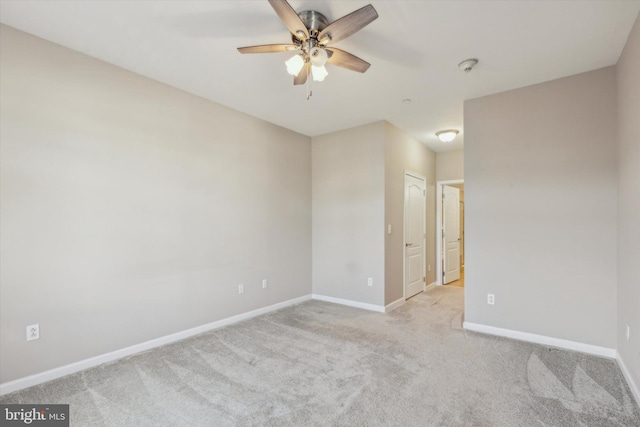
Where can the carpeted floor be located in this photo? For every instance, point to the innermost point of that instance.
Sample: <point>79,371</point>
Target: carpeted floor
<point>321,364</point>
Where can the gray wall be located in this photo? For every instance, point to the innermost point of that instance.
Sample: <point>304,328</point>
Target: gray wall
<point>348,214</point>
<point>403,152</point>
<point>540,198</point>
<point>629,203</point>
<point>130,210</point>
<point>450,165</point>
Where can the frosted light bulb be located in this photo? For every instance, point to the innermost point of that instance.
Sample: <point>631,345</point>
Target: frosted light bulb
<point>294,65</point>
<point>319,73</point>
<point>318,56</point>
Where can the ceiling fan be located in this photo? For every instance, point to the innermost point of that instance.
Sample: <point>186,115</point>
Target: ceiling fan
<point>311,33</point>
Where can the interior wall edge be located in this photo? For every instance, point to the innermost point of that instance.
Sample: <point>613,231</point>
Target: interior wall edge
<point>393,305</point>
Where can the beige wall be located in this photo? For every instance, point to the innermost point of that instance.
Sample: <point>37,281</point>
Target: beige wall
<point>450,165</point>
<point>130,210</point>
<point>629,203</point>
<point>358,189</point>
<point>540,189</point>
<point>403,153</point>
<point>348,214</point>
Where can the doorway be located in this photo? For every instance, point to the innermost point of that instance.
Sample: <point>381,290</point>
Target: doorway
<point>450,231</point>
<point>415,196</point>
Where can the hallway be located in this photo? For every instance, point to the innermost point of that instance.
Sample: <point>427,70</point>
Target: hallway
<point>460,282</point>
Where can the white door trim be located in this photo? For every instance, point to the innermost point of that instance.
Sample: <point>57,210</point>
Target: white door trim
<point>404,237</point>
<point>439,186</point>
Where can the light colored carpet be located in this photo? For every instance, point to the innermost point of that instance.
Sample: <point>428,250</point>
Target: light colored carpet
<point>320,364</point>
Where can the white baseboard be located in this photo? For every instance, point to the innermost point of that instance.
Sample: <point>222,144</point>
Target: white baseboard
<point>541,339</point>
<point>350,303</point>
<point>72,368</point>
<point>392,306</point>
<point>431,286</point>
<point>635,389</point>
<point>21,383</point>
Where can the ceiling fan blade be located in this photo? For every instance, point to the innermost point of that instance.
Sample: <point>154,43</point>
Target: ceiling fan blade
<point>268,48</point>
<point>290,19</point>
<point>301,78</point>
<point>346,60</point>
<point>348,24</point>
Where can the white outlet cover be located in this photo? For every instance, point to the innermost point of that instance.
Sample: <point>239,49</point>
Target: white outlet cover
<point>370,281</point>
<point>33,332</point>
<point>240,288</point>
<point>265,283</point>
<point>491,299</point>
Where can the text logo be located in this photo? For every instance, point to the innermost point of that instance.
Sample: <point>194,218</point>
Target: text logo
<point>34,415</point>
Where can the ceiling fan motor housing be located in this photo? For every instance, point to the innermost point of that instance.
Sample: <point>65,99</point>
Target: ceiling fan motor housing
<point>314,21</point>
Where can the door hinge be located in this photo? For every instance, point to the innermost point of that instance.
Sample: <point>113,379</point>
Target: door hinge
<point>424,192</point>
<point>424,279</point>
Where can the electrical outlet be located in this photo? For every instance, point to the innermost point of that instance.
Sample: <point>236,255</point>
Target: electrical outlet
<point>33,332</point>
<point>370,281</point>
<point>264,283</point>
<point>491,299</point>
<point>429,267</point>
<point>628,333</point>
<point>241,288</point>
<point>389,229</point>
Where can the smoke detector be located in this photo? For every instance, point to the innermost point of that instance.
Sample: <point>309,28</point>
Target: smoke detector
<point>468,64</point>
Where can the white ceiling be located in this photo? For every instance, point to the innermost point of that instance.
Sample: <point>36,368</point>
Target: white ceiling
<point>414,48</point>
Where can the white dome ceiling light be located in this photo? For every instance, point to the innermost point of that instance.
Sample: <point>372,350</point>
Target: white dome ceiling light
<point>447,135</point>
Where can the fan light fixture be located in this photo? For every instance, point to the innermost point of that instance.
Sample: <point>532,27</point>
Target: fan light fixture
<point>447,135</point>
<point>318,58</point>
<point>295,64</point>
<point>319,73</point>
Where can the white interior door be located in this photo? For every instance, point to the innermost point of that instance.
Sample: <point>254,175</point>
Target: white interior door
<point>451,233</point>
<point>414,235</point>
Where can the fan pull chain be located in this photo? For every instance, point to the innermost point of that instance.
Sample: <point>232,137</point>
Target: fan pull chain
<point>309,91</point>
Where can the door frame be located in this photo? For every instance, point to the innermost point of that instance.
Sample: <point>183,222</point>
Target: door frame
<point>404,231</point>
<point>439,219</point>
